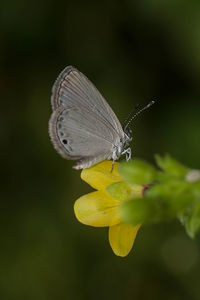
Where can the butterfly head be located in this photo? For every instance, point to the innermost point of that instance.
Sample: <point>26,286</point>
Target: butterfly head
<point>128,134</point>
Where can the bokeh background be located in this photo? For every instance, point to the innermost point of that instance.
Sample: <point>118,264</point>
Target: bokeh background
<point>134,51</point>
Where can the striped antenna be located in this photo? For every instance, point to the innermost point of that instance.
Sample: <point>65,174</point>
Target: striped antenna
<point>137,113</point>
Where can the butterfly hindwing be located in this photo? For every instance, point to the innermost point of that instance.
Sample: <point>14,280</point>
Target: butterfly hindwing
<point>78,133</point>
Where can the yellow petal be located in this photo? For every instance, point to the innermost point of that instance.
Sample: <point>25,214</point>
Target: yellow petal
<point>122,237</point>
<point>100,176</point>
<point>97,209</point>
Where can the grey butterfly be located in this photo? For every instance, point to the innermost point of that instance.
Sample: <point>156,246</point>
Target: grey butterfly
<point>83,126</point>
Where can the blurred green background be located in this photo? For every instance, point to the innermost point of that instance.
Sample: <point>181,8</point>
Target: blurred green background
<point>133,51</point>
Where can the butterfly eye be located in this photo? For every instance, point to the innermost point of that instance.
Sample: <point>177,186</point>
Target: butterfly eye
<point>128,132</point>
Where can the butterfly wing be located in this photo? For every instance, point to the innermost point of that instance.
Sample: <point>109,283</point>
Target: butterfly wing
<point>78,133</point>
<point>74,88</point>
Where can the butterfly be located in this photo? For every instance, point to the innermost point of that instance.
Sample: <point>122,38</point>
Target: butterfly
<point>83,127</point>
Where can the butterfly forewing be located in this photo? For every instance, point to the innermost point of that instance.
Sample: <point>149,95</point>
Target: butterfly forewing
<point>74,88</point>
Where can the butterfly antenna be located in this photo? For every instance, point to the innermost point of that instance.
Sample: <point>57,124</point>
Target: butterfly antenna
<point>139,112</point>
<point>130,113</point>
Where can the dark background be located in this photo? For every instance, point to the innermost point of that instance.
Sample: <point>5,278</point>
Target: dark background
<point>134,51</point>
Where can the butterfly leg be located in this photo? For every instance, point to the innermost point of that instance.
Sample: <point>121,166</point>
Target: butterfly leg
<point>128,153</point>
<point>112,166</point>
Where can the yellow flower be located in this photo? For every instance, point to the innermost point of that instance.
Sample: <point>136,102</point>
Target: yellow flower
<point>100,209</point>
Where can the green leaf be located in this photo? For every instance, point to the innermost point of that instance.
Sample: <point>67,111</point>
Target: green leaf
<point>171,166</point>
<point>173,192</point>
<point>161,202</point>
<point>178,195</point>
<point>193,221</point>
<point>137,171</point>
<point>123,191</point>
<point>146,210</point>
<point>119,190</point>
<point>169,188</point>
